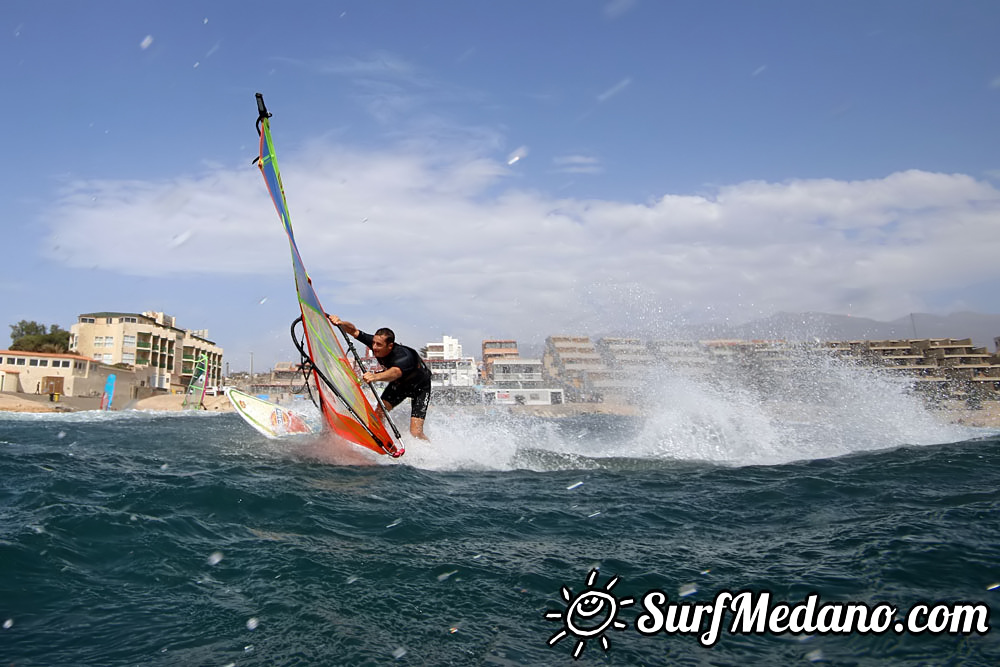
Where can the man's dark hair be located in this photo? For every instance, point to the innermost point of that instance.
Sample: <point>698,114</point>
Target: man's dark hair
<point>386,333</point>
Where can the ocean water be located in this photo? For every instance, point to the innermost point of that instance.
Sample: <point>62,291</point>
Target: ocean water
<point>141,538</point>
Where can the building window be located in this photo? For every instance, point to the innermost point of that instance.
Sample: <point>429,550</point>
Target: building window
<point>108,320</point>
<point>20,361</point>
<point>33,362</point>
<point>128,341</point>
<point>87,320</point>
<point>128,358</point>
<point>65,363</point>
<point>107,358</point>
<point>43,362</point>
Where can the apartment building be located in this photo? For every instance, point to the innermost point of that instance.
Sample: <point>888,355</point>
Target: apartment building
<point>624,353</point>
<point>497,348</point>
<point>454,377</point>
<point>688,357</point>
<point>574,363</point>
<point>519,382</point>
<point>150,342</point>
<point>448,348</point>
<point>940,367</point>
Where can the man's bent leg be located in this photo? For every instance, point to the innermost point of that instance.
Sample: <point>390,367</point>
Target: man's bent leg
<point>417,428</point>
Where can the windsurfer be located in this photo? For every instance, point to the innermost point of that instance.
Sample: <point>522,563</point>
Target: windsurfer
<point>406,373</point>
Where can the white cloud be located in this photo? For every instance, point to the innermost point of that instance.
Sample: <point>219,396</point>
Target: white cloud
<point>441,237</point>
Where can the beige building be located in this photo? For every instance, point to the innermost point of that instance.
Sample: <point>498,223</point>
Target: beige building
<point>63,374</point>
<point>150,342</point>
<point>497,348</point>
<point>574,363</point>
<point>943,367</point>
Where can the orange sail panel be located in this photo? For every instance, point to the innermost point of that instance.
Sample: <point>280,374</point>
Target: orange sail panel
<point>345,407</point>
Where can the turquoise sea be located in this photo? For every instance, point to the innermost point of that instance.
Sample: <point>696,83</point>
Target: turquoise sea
<point>139,538</point>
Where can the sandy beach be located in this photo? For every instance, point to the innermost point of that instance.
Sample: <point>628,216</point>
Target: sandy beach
<point>41,403</point>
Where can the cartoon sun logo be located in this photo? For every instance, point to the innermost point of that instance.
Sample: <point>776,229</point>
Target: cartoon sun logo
<point>589,614</point>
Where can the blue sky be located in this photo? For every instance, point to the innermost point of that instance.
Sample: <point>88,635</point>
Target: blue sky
<point>500,169</point>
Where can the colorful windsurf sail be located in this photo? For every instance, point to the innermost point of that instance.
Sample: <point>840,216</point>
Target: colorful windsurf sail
<point>342,401</point>
<point>194,399</point>
<point>109,393</point>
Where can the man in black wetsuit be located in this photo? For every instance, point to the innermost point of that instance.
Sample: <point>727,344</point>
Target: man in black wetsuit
<point>406,373</point>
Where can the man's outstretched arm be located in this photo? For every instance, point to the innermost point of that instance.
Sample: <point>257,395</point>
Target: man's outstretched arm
<point>345,326</point>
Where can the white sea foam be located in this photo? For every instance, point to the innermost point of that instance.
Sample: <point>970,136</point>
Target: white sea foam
<point>823,408</point>
<point>745,416</point>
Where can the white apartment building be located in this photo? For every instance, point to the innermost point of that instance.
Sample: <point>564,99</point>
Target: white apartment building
<point>150,342</point>
<point>515,381</point>
<point>453,372</point>
<point>448,348</point>
<point>453,377</point>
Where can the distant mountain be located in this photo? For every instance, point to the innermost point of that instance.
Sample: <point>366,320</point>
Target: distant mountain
<point>981,328</point>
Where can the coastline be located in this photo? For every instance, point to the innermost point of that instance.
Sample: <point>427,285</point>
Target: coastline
<point>41,403</point>
<point>954,412</point>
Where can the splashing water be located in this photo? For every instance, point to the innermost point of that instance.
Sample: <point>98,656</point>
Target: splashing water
<point>813,407</point>
<point>758,415</point>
